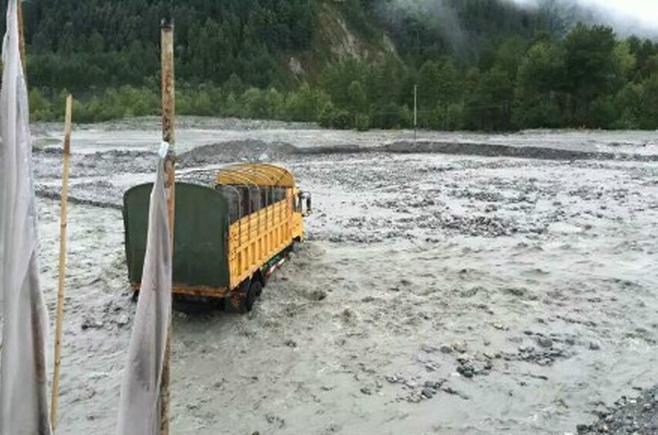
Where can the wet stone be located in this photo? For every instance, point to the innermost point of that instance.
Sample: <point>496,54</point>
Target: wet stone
<point>545,342</point>
<point>466,371</point>
<point>459,346</point>
<point>89,323</point>
<point>318,295</point>
<point>394,379</point>
<point>290,343</point>
<point>628,415</point>
<point>123,320</point>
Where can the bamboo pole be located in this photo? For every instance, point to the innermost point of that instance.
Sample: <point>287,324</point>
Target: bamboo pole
<point>169,136</point>
<point>62,262</point>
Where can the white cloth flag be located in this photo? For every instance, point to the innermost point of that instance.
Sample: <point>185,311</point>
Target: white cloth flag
<point>139,407</point>
<point>23,380</point>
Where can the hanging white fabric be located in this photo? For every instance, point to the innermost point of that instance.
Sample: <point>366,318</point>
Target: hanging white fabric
<point>139,406</point>
<point>23,379</point>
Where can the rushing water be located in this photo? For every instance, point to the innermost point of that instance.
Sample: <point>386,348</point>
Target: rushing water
<point>436,294</point>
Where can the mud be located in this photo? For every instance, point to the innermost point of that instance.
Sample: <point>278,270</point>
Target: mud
<point>436,293</point>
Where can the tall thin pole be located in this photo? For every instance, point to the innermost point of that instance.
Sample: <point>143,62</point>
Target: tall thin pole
<point>168,136</point>
<point>21,37</point>
<point>62,262</point>
<point>415,111</point>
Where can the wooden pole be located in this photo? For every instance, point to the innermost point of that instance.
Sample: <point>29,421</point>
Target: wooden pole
<point>168,136</point>
<point>21,37</point>
<point>62,262</point>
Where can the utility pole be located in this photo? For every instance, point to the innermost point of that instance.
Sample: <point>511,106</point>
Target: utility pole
<point>415,111</point>
<point>168,136</point>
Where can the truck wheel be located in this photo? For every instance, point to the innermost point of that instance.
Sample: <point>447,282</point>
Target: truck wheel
<point>257,288</point>
<point>243,302</point>
<point>254,292</point>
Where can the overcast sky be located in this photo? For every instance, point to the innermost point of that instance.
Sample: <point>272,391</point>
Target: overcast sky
<point>645,11</point>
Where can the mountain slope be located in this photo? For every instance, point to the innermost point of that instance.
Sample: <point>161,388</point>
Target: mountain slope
<point>82,44</point>
<point>78,44</point>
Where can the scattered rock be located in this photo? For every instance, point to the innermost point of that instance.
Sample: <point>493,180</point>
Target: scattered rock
<point>446,348</point>
<point>123,320</point>
<point>545,342</point>
<point>348,316</point>
<point>541,356</point>
<point>290,343</point>
<point>275,420</point>
<point>452,391</point>
<point>474,366</point>
<point>428,392</point>
<point>627,416</point>
<point>91,323</point>
<point>394,379</point>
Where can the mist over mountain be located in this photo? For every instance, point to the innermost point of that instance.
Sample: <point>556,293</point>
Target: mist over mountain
<point>627,17</point>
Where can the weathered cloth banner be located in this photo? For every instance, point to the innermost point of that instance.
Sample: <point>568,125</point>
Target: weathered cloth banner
<point>23,380</point>
<point>139,407</point>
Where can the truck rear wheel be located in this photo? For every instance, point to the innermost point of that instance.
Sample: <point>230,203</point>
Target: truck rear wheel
<point>243,302</point>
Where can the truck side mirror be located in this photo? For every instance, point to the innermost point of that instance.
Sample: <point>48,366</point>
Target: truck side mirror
<point>306,197</point>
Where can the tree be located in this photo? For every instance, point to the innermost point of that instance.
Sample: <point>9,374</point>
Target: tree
<point>428,84</point>
<point>358,101</point>
<point>629,103</point>
<point>540,79</point>
<point>305,104</point>
<point>590,68</point>
<point>489,107</point>
<point>337,79</point>
<point>625,62</point>
<point>648,113</point>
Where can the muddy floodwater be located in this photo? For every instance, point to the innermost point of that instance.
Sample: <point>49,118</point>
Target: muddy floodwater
<point>442,289</point>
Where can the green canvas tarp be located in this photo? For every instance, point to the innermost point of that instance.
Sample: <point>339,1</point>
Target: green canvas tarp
<point>200,237</point>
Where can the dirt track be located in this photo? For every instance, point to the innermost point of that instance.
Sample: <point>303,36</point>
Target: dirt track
<point>436,294</point>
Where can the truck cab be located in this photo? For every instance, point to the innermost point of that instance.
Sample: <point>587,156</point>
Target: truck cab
<point>301,208</point>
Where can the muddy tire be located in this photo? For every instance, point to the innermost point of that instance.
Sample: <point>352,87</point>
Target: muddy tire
<point>243,302</point>
<point>256,288</point>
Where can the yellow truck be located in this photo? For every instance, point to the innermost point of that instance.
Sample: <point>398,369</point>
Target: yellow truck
<point>228,238</point>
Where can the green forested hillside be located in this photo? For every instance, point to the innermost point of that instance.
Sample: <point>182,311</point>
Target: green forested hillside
<point>78,44</point>
<point>478,64</point>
